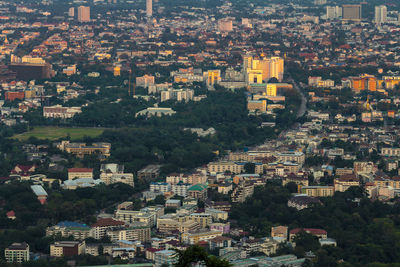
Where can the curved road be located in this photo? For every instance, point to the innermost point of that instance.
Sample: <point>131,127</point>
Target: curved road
<point>303,106</point>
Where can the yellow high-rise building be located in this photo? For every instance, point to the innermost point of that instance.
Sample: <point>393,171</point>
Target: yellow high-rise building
<point>271,67</point>
<point>213,77</point>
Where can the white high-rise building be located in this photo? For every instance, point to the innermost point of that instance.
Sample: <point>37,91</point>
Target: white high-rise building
<point>149,8</point>
<point>333,12</point>
<point>380,14</point>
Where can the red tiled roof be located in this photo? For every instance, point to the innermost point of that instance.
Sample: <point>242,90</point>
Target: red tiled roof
<point>107,222</point>
<point>11,213</point>
<point>80,170</point>
<point>312,231</point>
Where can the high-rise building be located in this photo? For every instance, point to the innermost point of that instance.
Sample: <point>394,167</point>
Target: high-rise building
<point>149,8</point>
<point>83,14</point>
<point>71,12</point>
<point>225,25</point>
<point>258,69</point>
<point>352,12</point>
<point>333,12</point>
<point>380,14</point>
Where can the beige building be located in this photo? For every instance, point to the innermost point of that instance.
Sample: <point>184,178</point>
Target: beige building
<point>61,112</point>
<point>298,157</point>
<point>84,14</point>
<point>81,149</point>
<point>390,151</point>
<point>67,248</point>
<point>141,233</point>
<point>318,191</point>
<point>351,12</point>
<point>74,173</point>
<point>345,182</point>
<point>242,191</point>
<point>196,237</point>
<point>393,182</point>
<point>233,167</point>
<point>204,219</point>
<point>17,253</point>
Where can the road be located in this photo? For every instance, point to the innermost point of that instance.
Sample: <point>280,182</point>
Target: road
<point>303,106</point>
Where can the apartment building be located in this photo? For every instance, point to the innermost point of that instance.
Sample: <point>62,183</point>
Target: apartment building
<point>198,191</point>
<point>298,157</point>
<point>345,182</point>
<point>242,191</point>
<point>113,178</point>
<point>390,151</point>
<point>393,182</point>
<point>147,216</point>
<point>233,167</point>
<point>160,187</point>
<point>318,191</point>
<point>101,226</point>
<point>364,167</point>
<point>181,189</point>
<point>67,248</point>
<point>202,235</point>
<point>61,112</point>
<point>141,233</point>
<point>204,219</point>
<point>17,253</point>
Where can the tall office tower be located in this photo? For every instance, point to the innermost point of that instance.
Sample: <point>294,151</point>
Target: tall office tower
<point>225,25</point>
<point>149,8</point>
<point>71,12</point>
<point>352,12</point>
<point>83,14</point>
<point>333,12</point>
<point>380,14</point>
<point>259,69</point>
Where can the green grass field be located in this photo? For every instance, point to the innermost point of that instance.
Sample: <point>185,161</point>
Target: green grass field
<point>54,133</point>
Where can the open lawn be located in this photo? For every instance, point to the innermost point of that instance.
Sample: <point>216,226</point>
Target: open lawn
<point>54,133</point>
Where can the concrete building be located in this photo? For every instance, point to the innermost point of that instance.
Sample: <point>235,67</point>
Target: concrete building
<point>198,191</point>
<point>202,235</point>
<point>149,8</point>
<point>61,112</point>
<point>352,12</point>
<point>318,191</point>
<point>225,25</point>
<point>84,14</point>
<point>67,248</point>
<point>380,14</point>
<point>17,253</point>
<point>74,173</point>
<point>164,258</point>
<point>71,12</point>
<point>145,80</point>
<point>81,149</point>
<point>333,12</point>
